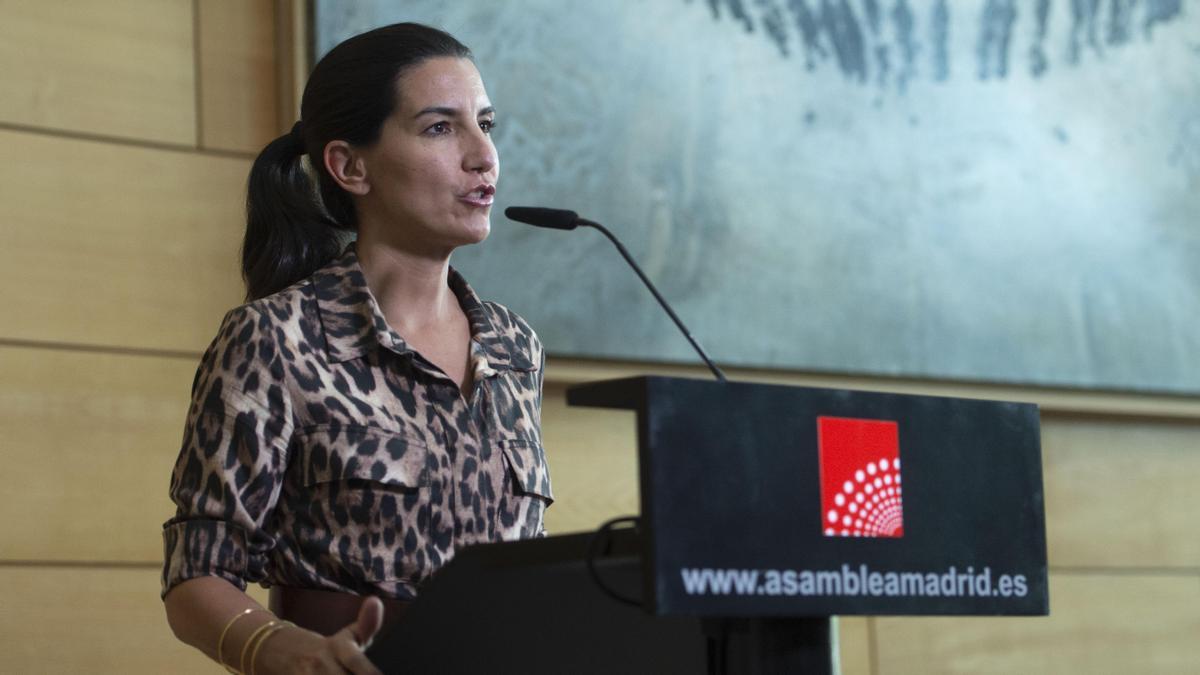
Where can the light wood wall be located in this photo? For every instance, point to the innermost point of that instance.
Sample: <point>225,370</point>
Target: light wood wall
<point>130,127</point>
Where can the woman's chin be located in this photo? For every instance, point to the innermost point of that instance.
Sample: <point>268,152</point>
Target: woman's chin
<point>476,232</point>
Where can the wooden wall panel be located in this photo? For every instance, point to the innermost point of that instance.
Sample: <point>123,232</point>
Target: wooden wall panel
<point>854,645</point>
<point>1118,623</point>
<point>103,440</point>
<point>115,245</point>
<point>238,108</point>
<point>593,463</point>
<point>1121,493</point>
<point>90,440</point>
<point>293,57</point>
<point>115,424</point>
<point>120,67</point>
<point>90,620</point>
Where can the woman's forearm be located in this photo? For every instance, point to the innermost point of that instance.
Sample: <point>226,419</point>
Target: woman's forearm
<point>199,609</point>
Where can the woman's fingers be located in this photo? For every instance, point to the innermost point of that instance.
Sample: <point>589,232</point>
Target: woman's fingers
<point>350,655</point>
<point>350,643</point>
<point>370,619</point>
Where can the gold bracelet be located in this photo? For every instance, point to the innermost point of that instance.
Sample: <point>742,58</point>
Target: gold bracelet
<point>250,640</point>
<point>261,640</point>
<point>224,632</point>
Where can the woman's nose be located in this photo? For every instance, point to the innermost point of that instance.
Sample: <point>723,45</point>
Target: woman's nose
<point>481,156</point>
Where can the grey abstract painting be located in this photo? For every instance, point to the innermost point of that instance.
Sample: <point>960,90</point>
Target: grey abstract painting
<point>999,190</point>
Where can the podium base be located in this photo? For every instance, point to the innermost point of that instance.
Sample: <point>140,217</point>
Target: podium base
<point>768,646</point>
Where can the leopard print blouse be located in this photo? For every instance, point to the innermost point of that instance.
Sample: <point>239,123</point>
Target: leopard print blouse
<point>321,451</point>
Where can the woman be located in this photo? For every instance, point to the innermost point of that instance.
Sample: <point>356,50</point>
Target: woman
<point>365,415</point>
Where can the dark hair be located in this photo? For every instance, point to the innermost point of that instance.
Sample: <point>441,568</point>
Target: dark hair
<point>292,228</point>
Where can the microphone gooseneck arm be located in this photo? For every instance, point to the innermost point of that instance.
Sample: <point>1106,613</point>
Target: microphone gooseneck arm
<point>562,219</point>
<point>657,296</point>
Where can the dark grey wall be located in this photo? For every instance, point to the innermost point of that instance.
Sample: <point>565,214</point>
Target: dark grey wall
<point>1002,190</point>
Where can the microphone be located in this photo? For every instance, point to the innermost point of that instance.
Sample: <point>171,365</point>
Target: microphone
<point>559,219</point>
<point>562,219</point>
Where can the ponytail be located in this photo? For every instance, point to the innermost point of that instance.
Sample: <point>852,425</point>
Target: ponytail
<point>288,233</point>
<point>293,227</point>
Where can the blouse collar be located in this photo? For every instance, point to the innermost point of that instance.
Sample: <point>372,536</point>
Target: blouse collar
<point>353,322</point>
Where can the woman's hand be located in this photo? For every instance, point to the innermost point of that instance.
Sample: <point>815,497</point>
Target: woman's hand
<point>297,650</point>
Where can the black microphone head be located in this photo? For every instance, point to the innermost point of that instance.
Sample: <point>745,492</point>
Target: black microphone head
<point>559,219</point>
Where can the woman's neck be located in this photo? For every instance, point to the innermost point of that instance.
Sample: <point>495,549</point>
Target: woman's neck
<point>411,289</point>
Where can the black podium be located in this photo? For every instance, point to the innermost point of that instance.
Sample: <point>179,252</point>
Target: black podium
<point>765,510</point>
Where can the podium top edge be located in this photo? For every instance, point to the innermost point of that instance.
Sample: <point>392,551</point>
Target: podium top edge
<point>632,393</point>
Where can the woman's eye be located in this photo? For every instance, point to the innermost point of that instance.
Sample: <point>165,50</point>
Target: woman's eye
<point>487,125</point>
<point>439,128</point>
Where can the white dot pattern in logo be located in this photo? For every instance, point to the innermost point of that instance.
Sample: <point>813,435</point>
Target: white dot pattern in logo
<point>875,507</point>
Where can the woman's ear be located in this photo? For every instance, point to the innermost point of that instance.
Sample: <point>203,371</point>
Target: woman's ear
<point>346,167</point>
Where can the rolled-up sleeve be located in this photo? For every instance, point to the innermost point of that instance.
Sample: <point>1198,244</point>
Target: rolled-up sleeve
<point>230,468</point>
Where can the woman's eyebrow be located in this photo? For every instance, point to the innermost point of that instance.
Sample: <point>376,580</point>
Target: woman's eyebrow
<point>451,112</point>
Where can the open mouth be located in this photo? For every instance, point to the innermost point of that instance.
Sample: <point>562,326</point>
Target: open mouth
<point>483,195</point>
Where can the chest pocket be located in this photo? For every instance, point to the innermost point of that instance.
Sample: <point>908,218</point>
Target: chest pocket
<point>369,502</point>
<point>525,462</point>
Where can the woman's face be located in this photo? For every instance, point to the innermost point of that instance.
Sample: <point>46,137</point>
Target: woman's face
<point>433,172</point>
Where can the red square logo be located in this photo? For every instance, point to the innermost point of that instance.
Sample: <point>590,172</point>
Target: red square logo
<point>860,477</point>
